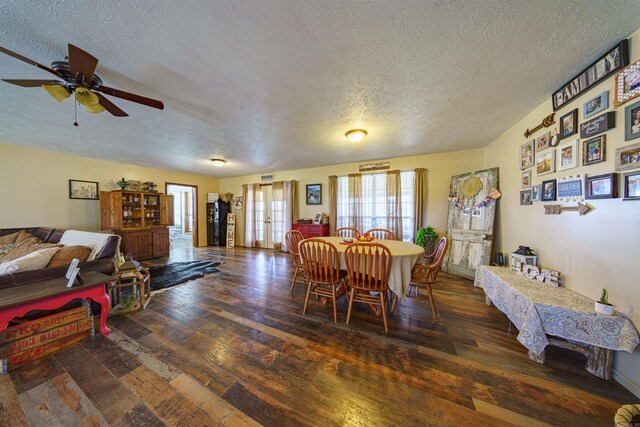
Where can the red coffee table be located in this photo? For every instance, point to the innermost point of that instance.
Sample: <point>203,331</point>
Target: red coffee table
<point>49,294</point>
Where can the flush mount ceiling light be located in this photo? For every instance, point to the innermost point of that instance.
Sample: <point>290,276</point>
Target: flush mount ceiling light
<point>356,135</point>
<point>218,162</point>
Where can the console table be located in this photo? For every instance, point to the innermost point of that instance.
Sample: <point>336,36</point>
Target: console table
<point>49,294</point>
<point>312,230</point>
<point>539,310</point>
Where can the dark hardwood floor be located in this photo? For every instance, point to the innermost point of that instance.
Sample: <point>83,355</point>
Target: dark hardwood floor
<point>233,349</point>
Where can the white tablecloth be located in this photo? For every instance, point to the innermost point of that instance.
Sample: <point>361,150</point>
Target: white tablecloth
<point>404,256</point>
<point>537,309</point>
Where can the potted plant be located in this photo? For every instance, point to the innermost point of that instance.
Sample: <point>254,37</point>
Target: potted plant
<point>602,305</point>
<point>426,237</point>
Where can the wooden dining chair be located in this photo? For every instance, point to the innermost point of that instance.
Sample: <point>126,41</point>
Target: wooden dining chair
<point>346,232</point>
<point>322,264</point>
<point>381,234</point>
<point>425,275</point>
<point>293,238</point>
<point>368,269</point>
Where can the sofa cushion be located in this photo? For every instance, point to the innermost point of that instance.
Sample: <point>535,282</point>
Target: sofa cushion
<point>66,254</point>
<point>6,248</point>
<point>9,238</point>
<point>26,247</point>
<point>32,261</point>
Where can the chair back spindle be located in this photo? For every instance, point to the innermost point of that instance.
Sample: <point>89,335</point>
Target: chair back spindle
<point>381,234</point>
<point>321,261</point>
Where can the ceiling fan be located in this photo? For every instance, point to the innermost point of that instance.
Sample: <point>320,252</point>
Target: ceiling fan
<point>77,73</point>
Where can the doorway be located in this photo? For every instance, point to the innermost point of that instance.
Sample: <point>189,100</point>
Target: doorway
<point>184,232</point>
<point>264,206</point>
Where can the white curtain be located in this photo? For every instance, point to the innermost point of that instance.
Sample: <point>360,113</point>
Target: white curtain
<point>250,213</point>
<point>283,210</point>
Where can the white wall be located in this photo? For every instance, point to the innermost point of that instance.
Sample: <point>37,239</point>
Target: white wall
<point>34,188</point>
<point>600,249</point>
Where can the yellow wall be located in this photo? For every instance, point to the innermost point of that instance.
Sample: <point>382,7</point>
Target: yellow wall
<point>600,249</point>
<point>34,188</point>
<point>441,168</point>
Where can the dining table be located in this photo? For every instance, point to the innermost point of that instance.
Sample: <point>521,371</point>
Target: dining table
<point>404,256</point>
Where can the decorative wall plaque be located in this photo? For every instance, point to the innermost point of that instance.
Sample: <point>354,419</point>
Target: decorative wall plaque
<point>571,188</point>
<point>597,125</point>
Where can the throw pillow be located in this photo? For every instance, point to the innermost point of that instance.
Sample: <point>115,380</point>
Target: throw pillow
<point>23,236</point>
<point>33,261</point>
<point>9,238</point>
<point>26,247</point>
<point>66,254</point>
<point>5,249</point>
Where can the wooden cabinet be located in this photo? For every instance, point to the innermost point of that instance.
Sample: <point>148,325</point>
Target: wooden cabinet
<point>312,230</point>
<point>141,219</point>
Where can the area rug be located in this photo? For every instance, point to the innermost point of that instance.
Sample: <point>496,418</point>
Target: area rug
<point>166,276</point>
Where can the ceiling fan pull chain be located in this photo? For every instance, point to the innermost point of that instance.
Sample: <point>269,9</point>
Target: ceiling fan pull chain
<point>75,105</point>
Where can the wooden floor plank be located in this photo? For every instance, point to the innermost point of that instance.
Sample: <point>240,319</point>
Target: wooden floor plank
<point>233,349</point>
<point>60,402</point>
<point>11,412</point>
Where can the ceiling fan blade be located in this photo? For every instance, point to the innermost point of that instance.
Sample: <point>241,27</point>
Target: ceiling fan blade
<point>32,83</point>
<point>29,61</point>
<point>81,62</point>
<point>131,97</point>
<point>111,107</point>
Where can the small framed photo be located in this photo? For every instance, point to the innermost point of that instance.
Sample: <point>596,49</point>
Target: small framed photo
<point>627,84</point>
<point>594,150</point>
<point>601,186</point>
<point>569,124</point>
<point>525,197</point>
<point>549,190</point>
<point>568,155</point>
<point>542,142</point>
<point>546,162</point>
<point>526,155</point>
<point>237,202</point>
<point>535,193</point>
<point>632,121</point>
<point>314,194</point>
<point>317,218</point>
<point>85,190</point>
<point>596,104</point>
<point>632,186</point>
<point>134,185</point>
<point>628,157</point>
<point>526,179</point>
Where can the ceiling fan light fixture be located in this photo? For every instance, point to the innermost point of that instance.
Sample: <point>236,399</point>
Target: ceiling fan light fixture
<point>356,135</point>
<point>58,92</point>
<point>95,109</point>
<point>218,162</point>
<point>85,97</point>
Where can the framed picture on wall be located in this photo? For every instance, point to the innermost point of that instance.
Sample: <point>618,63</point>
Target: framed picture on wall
<point>314,194</point>
<point>594,150</point>
<point>601,186</point>
<point>542,142</point>
<point>525,197</point>
<point>632,121</point>
<point>86,190</point>
<point>627,84</point>
<point>628,157</point>
<point>549,190</point>
<point>526,179</point>
<point>546,162</point>
<point>526,155</point>
<point>632,186</point>
<point>596,104</point>
<point>535,193</point>
<point>569,124</point>
<point>568,155</point>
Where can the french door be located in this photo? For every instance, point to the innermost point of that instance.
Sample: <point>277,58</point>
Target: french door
<point>264,229</point>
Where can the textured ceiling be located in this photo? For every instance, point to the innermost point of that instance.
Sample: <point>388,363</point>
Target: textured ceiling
<point>274,85</point>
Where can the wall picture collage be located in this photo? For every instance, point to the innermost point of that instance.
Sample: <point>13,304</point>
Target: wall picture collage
<point>580,138</point>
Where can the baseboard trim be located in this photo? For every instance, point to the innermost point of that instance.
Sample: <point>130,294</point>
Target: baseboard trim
<point>627,383</point>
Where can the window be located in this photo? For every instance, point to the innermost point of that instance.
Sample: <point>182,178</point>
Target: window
<point>369,210</point>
